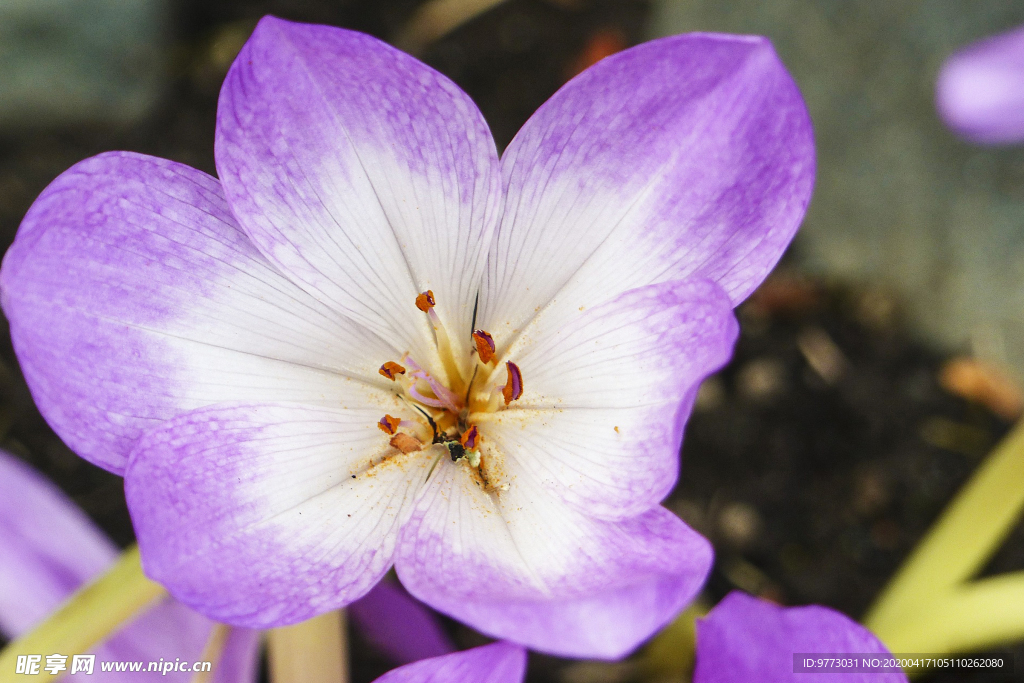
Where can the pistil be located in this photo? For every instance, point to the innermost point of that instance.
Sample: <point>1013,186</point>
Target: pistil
<point>445,397</point>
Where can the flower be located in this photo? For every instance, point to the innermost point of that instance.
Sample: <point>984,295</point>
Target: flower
<point>742,639</point>
<point>398,626</point>
<point>980,90</point>
<point>495,663</point>
<point>745,639</point>
<point>50,549</point>
<point>372,343</point>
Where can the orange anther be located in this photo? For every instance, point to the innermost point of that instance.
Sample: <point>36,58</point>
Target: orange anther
<point>425,301</point>
<point>388,424</point>
<point>390,369</point>
<point>405,443</point>
<point>513,388</point>
<point>470,438</point>
<point>484,346</point>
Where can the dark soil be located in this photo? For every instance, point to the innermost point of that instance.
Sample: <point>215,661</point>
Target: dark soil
<point>814,490</point>
<point>813,485</point>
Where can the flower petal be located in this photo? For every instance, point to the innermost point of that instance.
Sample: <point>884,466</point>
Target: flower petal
<point>261,515</point>
<point>517,563</point>
<point>608,394</point>
<point>168,631</point>
<point>239,660</point>
<point>133,297</point>
<point>980,90</point>
<point>746,639</point>
<point>363,173</point>
<point>398,625</point>
<point>51,549</point>
<point>689,156</point>
<point>494,663</point>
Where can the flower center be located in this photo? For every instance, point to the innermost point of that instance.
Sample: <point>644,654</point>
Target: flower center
<point>446,410</point>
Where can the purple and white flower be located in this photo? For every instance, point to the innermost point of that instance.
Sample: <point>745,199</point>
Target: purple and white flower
<point>745,639</point>
<point>372,343</point>
<point>980,90</point>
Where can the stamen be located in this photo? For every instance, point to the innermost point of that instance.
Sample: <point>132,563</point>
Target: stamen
<point>425,301</point>
<point>389,424</point>
<point>469,438</point>
<point>484,346</point>
<point>390,369</point>
<point>406,443</point>
<point>513,388</point>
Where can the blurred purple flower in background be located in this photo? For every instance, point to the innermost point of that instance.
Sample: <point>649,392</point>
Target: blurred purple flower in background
<point>50,549</point>
<point>495,663</point>
<point>236,347</point>
<point>398,626</point>
<point>980,90</point>
<point>745,639</point>
<point>742,639</point>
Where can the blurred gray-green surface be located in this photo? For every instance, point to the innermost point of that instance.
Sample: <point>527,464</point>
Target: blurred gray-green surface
<point>75,61</point>
<point>900,203</point>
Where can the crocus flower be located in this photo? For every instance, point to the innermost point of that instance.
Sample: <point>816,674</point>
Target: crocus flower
<point>48,549</point>
<point>980,90</point>
<point>495,663</point>
<point>745,639</point>
<point>372,343</point>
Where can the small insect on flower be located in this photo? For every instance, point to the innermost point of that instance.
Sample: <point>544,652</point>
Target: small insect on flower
<point>231,344</point>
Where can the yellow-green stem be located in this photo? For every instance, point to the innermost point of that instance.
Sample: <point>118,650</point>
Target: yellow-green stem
<point>436,18</point>
<point>315,651</point>
<point>88,617</point>
<point>978,615</point>
<point>929,597</point>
